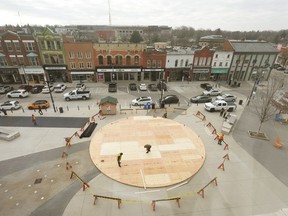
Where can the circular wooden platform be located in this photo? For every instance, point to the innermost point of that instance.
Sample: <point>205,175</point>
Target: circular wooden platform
<point>177,152</point>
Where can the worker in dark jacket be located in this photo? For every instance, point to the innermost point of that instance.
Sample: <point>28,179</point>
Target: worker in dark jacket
<point>119,157</point>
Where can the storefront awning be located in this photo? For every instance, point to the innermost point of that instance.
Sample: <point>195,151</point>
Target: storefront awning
<point>32,55</point>
<point>82,72</point>
<point>219,70</point>
<point>1,54</point>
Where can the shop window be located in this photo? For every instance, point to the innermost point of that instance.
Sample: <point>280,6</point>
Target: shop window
<point>128,60</point>
<point>100,60</point>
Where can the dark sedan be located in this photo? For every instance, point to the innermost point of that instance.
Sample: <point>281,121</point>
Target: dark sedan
<point>206,86</point>
<point>169,99</point>
<point>162,85</point>
<point>152,87</point>
<point>37,89</point>
<point>132,86</point>
<point>201,99</point>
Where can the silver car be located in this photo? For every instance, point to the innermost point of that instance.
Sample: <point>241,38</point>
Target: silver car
<point>227,97</point>
<point>141,101</point>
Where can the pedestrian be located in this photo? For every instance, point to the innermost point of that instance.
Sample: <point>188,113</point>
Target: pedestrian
<point>148,147</point>
<point>221,112</point>
<point>165,115</point>
<point>40,111</point>
<point>4,111</point>
<point>34,120</point>
<point>224,113</point>
<point>220,138</point>
<point>119,157</point>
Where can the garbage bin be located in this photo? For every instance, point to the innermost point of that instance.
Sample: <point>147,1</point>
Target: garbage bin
<point>61,109</point>
<point>162,105</point>
<point>240,102</point>
<point>148,105</point>
<point>239,84</point>
<point>153,105</point>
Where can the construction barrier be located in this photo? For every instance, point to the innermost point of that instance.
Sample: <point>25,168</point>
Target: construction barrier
<point>105,197</point>
<point>84,184</point>
<point>201,116</point>
<point>214,131</point>
<point>202,189</point>
<point>169,199</point>
<point>221,166</point>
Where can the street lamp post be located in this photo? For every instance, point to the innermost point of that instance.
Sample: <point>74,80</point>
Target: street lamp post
<point>50,93</point>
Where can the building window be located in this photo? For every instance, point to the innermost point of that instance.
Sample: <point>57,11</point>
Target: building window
<point>100,60</point>
<point>13,60</point>
<point>181,63</point>
<point>89,65</point>
<point>3,61</point>
<point>58,44</point>
<point>17,45</point>
<point>34,61</point>
<point>46,59</point>
<point>71,55</point>
<point>209,61</point>
<point>88,55</point>
<point>136,60</point>
<point>1,46</point>
<point>153,63</point>
<point>176,63</point>
<point>214,64</point>
<point>220,64</point>
<point>128,60</point>
<point>226,64</point>
<point>61,59</point>
<point>20,60</point>
<point>196,61</point>
<point>228,56</point>
<point>29,46</point>
<point>186,62</point>
<point>149,63</point>
<point>80,55</point>
<point>50,45</point>
<point>201,61</point>
<point>72,65</point>
<point>216,55</point>
<point>42,44</point>
<point>118,60</point>
<point>81,65</point>
<point>9,46</point>
<point>109,60</point>
<point>159,64</point>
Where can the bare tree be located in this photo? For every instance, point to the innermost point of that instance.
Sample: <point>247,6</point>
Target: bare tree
<point>263,103</point>
<point>281,102</point>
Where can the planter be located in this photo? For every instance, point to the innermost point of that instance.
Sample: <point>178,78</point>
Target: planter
<point>260,135</point>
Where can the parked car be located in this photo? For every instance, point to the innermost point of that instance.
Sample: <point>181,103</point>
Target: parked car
<point>10,105</point>
<point>5,89</point>
<point>112,87</point>
<point>142,87</point>
<point>141,101</point>
<point>201,99</point>
<point>43,104</point>
<point>227,97</point>
<point>152,87</point>
<point>46,89</point>
<point>80,86</point>
<point>286,71</point>
<point>169,99</point>
<point>281,68</point>
<point>133,86</point>
<point>212,92</point>
<point>218,105</point>
<point>59,88</point>
<point>206,86</point>
<point>20,93</point>
<point>77,95</point>
<point>162,85</point>
<point>26,87</point>
<point>37,89</point>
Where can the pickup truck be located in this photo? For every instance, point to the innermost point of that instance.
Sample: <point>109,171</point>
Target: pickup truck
<point>77,95</point>
<point>218,105</point>
<point>112,87</point>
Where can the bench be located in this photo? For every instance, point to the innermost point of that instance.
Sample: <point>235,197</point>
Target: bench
<point>8,135</point>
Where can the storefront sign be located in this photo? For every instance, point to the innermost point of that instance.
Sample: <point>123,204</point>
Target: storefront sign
<point>82,72</point>
<point>201,70</point>
<point>39,70</point>
<point>55,68</point>
<point>115,70</point>
<point>219,70</point>
<point>153,69</point>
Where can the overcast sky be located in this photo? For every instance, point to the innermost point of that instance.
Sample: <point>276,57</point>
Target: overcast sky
<point>232,15</point>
